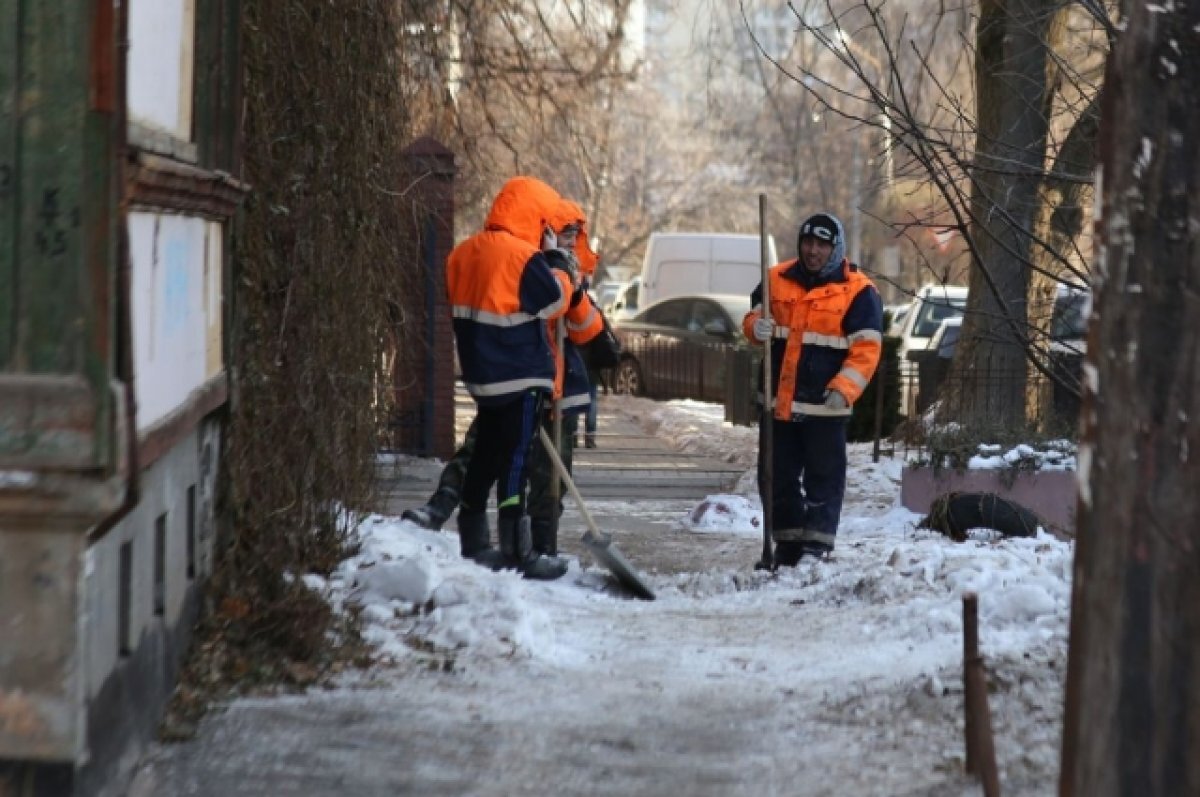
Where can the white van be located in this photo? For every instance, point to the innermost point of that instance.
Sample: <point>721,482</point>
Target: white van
<point>701,262</point>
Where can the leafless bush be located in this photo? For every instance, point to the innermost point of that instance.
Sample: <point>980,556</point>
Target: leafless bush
<point>315,266</point>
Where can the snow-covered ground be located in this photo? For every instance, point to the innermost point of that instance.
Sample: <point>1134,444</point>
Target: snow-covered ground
<point>848,669</point>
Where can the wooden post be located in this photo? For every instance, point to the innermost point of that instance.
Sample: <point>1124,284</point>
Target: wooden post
<point>880,387</point>
<point>981,753</point>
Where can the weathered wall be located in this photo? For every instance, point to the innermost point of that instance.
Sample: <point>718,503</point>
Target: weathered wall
<point>107,518</point>
<point>176,268</point>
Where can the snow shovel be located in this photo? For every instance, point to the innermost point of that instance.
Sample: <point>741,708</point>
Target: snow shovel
<point>598,544</point>
<point>765,446</point>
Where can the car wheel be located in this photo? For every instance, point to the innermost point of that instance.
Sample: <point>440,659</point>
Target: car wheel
<point>629,378</point>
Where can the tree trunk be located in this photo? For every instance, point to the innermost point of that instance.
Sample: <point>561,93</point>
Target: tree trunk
<point>1011,76</point>
<point>1132,718</point>
<point>1056,259</point>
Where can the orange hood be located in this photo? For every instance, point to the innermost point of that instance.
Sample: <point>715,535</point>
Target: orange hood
<point>588,260</point>
<point>524,206</point>
<point>568,212</point>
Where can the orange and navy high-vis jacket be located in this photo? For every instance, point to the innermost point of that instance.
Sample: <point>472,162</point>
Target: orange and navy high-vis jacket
<point>502,292</point>
<point>583,320</point>
<point>827,336</point>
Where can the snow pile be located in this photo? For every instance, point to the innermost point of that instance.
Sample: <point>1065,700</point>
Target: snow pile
<point>416,594</point>
<point>729,514</point>
<point>901,585</point>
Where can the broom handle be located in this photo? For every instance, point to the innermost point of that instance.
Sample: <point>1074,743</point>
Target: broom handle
<point>566,478</point>
<point>766,447</point>
<point>560,335</point>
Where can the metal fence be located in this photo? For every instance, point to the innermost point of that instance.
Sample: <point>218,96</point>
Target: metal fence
<point>741,386</point>
<point>955,411</point>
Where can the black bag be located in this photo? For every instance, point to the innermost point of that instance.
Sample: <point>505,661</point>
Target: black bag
<point>602,351</point>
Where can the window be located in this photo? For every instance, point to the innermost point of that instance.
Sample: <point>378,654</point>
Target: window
<point>160,565</point>
<point>125,599</point>
<point>631,298</point>
<point>1069,321</point>
<point>668,314</point>
<point>934,311</point>
<point>191,531</point>
<point>161,65</point>
<point>705,313</point>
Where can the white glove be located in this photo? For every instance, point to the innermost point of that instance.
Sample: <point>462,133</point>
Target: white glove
<point>549,239</point>
<point>764,328</point>
<point>834,400</point>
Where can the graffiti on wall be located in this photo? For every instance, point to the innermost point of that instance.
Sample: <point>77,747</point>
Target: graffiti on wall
<point>174,310</point>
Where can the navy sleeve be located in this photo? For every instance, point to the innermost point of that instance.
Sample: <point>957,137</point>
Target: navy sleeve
<point>539,288</point>
<point>865,312</point>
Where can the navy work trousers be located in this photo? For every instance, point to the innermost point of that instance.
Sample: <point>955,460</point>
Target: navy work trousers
<point>808,470</point>
<point>503,440</point>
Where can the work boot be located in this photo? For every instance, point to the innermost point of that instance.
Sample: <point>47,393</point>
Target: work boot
<point>516,544</point>
<point>589,440</point>
<point>544,532</point>
<point>788,553</point>
<point>475,543</point>
<point>435,512</point>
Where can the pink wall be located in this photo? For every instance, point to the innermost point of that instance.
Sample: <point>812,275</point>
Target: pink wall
<point>1051,495</point>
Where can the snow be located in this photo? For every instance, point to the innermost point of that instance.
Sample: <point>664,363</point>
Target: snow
<point>879,623</point>
<point>1052,455</point>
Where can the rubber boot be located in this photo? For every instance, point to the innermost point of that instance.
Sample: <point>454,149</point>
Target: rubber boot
<point>516,544</point>
<point>435,512</point>
<point>544,532</point>
<point>475,543</point>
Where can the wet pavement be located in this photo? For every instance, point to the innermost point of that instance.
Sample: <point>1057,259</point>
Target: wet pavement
<point>627,465</point>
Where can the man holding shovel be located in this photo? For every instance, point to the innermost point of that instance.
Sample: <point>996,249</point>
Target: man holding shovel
<point>824,337</point>
<point>572,394</point>
<point>505,285</point>
<point>568,240</point>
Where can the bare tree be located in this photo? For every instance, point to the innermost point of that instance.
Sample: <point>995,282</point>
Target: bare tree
<point>1132,718</point>
<point>1003,160</point>
<point>524,87</point>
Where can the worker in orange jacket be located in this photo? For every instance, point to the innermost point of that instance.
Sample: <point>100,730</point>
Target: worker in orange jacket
<point>825,336</point>
<point>507,286</point>
<point>581,325</point>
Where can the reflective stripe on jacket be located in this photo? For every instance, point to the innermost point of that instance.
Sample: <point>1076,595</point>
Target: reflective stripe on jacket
<point>583,322</point>
<point>827,337</point>
<point>503,294</point>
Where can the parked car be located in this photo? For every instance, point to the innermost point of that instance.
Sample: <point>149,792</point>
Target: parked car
<point>679,347</point>
<point>932,364</point>
<point>1066,349</point>
<point>931,305</point>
